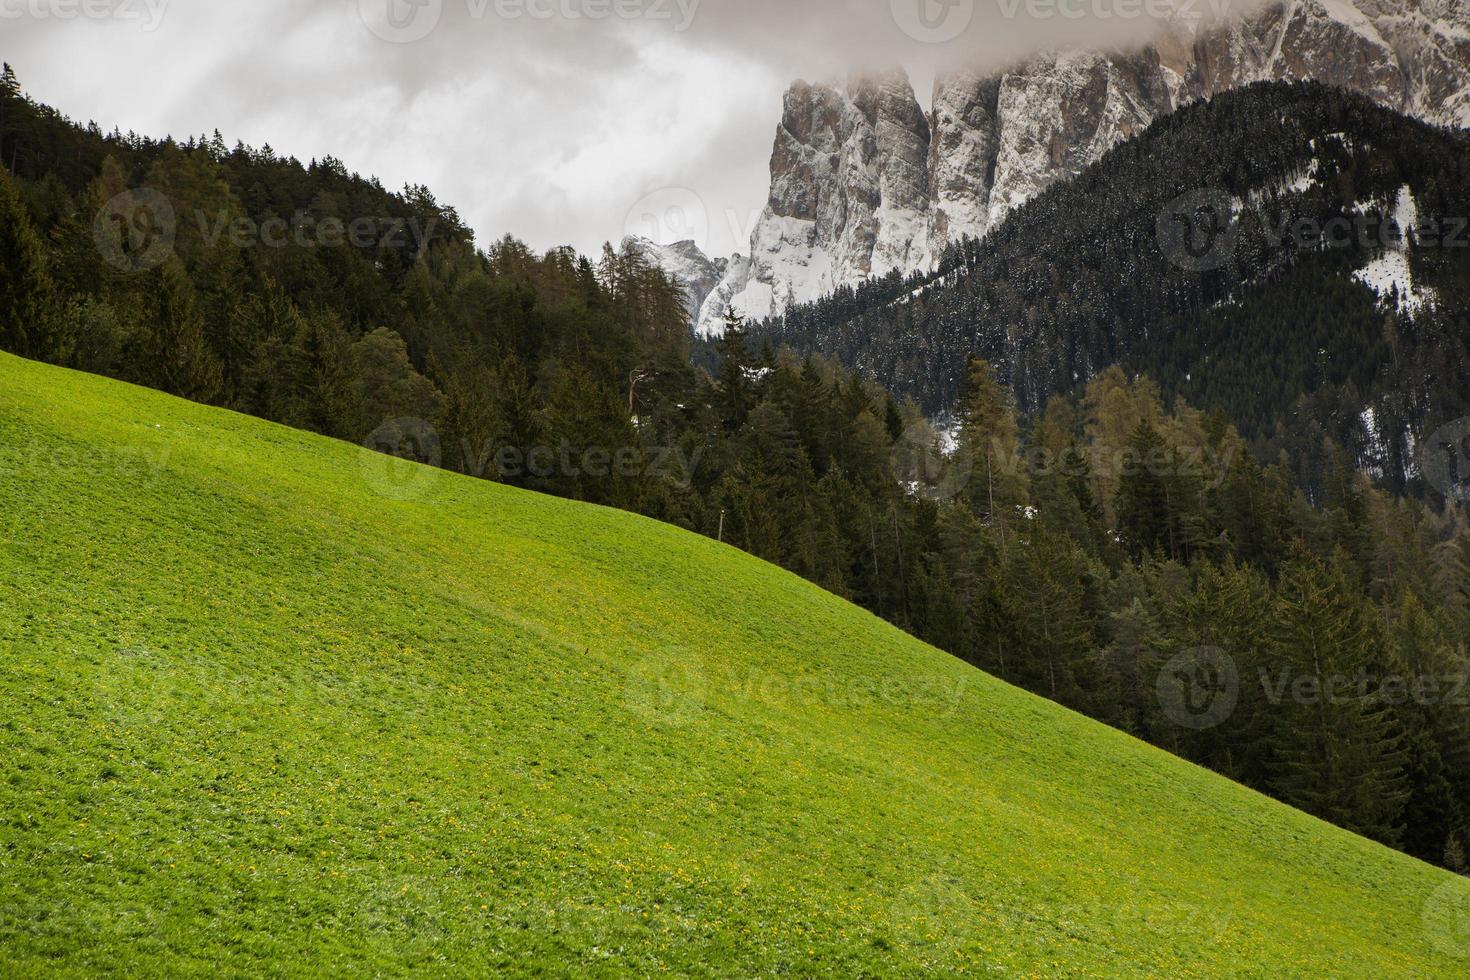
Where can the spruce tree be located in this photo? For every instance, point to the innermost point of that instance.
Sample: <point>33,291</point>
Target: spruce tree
<point>990,440</point>
<point>1048,620</point>
<point>735,394</point>
<point>1129,667</point>
<point>25,279</point>
<point>1454,856</point>
<point>1143,505</point>
<point>1436,729</point>
<point>175,356</point>
<point>1451,572</point>
<point>1227,610</point>
<point>10,99</point>
<point>1336,754</point>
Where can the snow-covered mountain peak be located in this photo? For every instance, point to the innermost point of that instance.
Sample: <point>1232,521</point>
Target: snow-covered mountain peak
<point>863,182</point>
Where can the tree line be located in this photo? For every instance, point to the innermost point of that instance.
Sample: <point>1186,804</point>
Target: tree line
<point>1086,274</point>
<point>1116,550</point>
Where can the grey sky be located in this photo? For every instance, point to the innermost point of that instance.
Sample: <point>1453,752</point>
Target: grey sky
<point>558,121</point>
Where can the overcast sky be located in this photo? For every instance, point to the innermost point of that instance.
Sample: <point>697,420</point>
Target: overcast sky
<point>558,121</point>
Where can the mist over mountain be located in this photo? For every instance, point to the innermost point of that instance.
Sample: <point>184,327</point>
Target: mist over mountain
<point>865,182</point>
<point>1330,298</point>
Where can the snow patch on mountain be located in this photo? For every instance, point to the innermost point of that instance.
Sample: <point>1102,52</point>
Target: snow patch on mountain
<point>1391,275</point>
<point>862,182</point>
<point>696,273</point>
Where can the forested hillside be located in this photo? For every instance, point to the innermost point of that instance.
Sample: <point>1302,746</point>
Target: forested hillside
<point>1109,548</point>
<point>262,719</point>
<point>1274,321</point>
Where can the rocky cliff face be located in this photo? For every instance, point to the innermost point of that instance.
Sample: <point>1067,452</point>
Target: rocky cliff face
<point>863,183</point>
<point>849,195</point>
<point>696,272</point>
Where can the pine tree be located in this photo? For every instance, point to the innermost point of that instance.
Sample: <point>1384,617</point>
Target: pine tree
<point>1143,506</point>
<point>25,279</point>
<point>1062,493</point>
<point>1112,410</point>
<point>1454,856</point>
<point>77,268</point>
<point>735,394</point>
<point>10,98</point>
<point>1047,617</point>
<point>175,356</point>
<point>893,420</point>
<point>1227,610</point>
<point>1451,572</point>
<point>990,441</point>
<point>1437,730</point>
<point>1428,810</point>
<point>1129,667</point>
<point>1337,754</point>
<point>387,385</point>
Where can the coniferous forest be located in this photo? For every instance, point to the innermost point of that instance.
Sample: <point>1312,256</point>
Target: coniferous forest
<point>1227,583</point>
<point>1267,323</point>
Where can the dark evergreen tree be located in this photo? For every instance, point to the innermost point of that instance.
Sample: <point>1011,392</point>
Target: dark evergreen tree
<point>174,354</point>
<point>1021,565</point>
<point>1337,753</point>
<point>25,280</point>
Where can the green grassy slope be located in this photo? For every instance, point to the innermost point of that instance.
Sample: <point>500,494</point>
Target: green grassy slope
<point>260,717</point>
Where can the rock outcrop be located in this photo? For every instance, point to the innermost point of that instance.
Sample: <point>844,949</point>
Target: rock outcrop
<point>862,182</point>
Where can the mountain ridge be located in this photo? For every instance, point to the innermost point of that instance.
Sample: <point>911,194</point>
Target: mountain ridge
<point>864,182</point>
<point>1280,328</point>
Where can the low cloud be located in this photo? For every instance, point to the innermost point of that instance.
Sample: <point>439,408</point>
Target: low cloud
<point>546,119</point>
